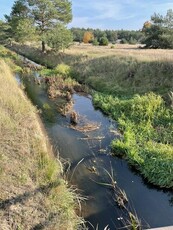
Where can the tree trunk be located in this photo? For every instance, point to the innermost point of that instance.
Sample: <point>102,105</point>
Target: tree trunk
<point>43,47</point>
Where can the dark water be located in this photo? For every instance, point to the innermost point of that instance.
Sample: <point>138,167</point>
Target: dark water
<point>88,151</point>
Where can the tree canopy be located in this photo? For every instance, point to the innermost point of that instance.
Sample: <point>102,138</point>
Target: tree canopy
<point>38,18</point>
<point>60,38</point>
<point>46,20</point>
<point>19,12</point>
<point>159,31</point>
<point>47,14</point>
<point>5,32</point>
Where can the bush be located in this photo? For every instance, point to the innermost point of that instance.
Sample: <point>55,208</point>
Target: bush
<point>124,41</point>
<point>63,69</point>
<point>103,41</point>
<point>132,41</point>
<point>95,42</point>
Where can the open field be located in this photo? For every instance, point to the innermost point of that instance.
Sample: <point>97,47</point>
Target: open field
<point>125,50</point>
<point>32,192</point>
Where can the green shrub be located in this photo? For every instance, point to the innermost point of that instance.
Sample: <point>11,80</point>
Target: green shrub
<point>95,42</point>
<point>124,41</point>
<point>132,41</point>
<point>63,69</point>
<point>103,41</point>
<point>47,72</point>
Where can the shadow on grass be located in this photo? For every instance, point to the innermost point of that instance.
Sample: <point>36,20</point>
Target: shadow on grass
<point>45,223</point>
<point>4,204</point>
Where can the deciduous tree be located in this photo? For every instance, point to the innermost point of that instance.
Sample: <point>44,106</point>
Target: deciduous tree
<point>88,37</point>
<point>146,26</point>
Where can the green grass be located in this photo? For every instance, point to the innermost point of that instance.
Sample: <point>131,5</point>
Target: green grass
<point>147,127</point>
<point>32,193</point>
<point>60,70</point>
<point>11,58</point>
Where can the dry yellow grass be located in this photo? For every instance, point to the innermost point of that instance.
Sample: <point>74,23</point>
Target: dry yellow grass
<point>31,186</point>
<point>123,50</point>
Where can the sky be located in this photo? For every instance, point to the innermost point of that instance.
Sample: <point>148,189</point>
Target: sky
<point>108,14</point>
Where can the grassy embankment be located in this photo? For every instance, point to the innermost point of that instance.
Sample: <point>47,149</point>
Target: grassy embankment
<point>133,87</point>
<point>32,192</point>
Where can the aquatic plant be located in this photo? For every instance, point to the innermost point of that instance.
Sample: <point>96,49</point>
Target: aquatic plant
<point>129,217</point>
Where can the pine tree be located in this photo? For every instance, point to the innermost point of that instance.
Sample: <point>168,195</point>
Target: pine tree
<point>48,13</point>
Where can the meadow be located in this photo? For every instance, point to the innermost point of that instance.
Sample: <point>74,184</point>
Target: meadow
<point>134,86</point>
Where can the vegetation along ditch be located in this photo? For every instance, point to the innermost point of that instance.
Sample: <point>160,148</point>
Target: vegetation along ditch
<point>117,195</point>
<point>134,91</point>
<point>86,119</point>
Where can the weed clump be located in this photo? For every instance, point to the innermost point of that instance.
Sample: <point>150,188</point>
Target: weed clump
<point>63,70</point>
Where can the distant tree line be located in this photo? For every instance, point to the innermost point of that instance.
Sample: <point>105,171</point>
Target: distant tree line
<point>104,36</point>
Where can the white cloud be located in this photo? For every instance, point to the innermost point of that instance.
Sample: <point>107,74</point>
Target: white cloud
<point>109,9</point>
<point>98,13</point>
<point>95,13</point>
<point>85,22</point>
<point>80,22</point>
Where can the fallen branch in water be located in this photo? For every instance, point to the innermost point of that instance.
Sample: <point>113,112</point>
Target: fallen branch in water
<point>91,138</point>
<point>85,128</point>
